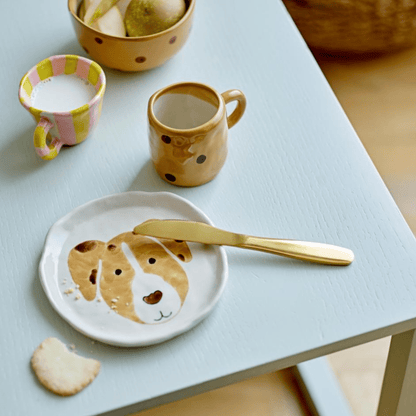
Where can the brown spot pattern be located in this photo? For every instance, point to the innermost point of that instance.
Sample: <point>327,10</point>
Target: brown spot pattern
<point>93,276</point>
<point>166,139</point>
<point>86,246</point>
<point>83,262</point>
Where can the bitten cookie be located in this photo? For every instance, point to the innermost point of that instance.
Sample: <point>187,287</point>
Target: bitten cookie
<point>61,371</point>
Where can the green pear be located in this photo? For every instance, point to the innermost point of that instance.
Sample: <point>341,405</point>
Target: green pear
<point>122,5</point>
<point>87,3</point>
<point>94,9</point>
<point>145,17</point>
<point>81,10</point>
<point>111,23</point>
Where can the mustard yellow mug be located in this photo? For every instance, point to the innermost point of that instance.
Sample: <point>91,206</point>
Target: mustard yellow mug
<point>64,94</point>
<point>188,131</point>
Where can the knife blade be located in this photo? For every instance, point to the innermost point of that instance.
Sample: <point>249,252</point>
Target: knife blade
<point>203,233</point>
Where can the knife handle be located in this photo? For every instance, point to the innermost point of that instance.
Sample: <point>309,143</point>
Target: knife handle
<point>302,250</point>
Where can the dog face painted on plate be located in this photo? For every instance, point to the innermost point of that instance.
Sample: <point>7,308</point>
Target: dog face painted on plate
<point>136,276</point>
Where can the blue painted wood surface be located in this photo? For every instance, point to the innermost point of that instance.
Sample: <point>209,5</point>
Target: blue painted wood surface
<point>295,169</point>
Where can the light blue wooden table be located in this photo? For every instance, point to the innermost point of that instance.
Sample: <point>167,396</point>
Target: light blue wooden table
<point>296,169</point>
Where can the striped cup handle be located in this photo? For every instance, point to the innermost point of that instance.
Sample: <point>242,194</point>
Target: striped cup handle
<point>46,152</point>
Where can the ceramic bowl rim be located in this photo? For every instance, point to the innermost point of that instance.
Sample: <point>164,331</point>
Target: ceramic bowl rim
<point>186,16</point>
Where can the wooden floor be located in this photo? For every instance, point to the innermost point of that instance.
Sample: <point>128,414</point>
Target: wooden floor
<point>379,97</point>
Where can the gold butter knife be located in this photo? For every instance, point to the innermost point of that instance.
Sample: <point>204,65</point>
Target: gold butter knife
<point>203,233</point>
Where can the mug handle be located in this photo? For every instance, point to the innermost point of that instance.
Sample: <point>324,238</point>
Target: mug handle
<point>232,95</point>
<point>42,149</point>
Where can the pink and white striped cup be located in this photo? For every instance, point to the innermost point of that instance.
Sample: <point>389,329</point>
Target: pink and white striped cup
<point>55,129</point>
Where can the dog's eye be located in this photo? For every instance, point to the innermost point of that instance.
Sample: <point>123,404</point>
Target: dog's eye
<point>201,159</point>
<point>152,260</point>
<point>118,272</point>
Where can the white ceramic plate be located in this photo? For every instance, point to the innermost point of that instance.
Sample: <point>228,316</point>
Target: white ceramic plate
<point>103,219</point>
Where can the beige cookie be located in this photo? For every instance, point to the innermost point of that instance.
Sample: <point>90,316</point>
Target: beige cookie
<point>61,371</point>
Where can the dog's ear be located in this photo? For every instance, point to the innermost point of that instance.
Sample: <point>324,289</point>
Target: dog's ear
<point>83,262</point>
<point>179,248</point>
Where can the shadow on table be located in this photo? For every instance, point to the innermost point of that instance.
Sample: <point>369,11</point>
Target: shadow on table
<point>45,307</point>
<point>148,180</point>
<point>18,156</point>
<point>69,48</point>
<point>265,260</point>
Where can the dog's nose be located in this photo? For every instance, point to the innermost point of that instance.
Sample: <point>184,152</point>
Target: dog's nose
<point>170,177</point>
<point>153,298</point>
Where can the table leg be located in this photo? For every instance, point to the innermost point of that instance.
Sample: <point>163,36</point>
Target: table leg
<point>321,389</point>
<point>398,394</point>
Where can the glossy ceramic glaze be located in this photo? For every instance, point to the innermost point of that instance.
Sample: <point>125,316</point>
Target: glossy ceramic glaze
<point>125,289</point>
<point>132,53</point>
<point>67,127</point>
<point>194,154</point>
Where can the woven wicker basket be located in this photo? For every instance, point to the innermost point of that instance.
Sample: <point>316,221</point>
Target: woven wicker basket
<point>355,26</point>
